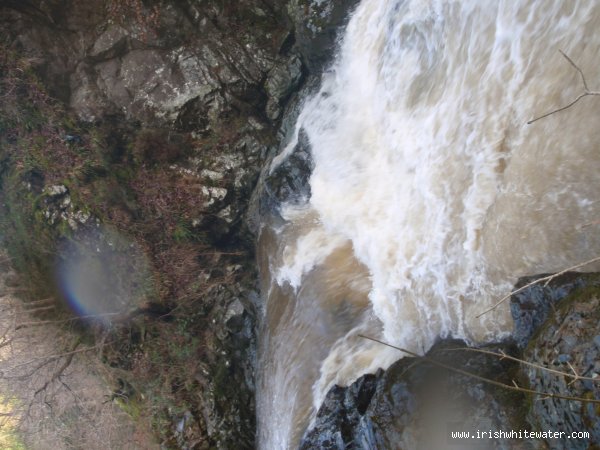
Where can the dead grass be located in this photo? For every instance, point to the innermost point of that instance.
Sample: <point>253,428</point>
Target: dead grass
<point>56,399</point>
<point>132,187</point>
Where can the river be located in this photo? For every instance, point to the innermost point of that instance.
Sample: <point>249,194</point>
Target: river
<point>431,193</point>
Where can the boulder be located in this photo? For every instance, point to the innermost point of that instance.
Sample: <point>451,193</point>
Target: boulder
<point>317,27</point>
<point>567,342</point>
<point>416,404</point>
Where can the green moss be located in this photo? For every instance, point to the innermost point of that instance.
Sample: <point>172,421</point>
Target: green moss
<point>183,232</point>
<point>221,377</point>
<point>130,406</point>
<point>10,440</point>
<point>9,436</point>
<point>582,295</point>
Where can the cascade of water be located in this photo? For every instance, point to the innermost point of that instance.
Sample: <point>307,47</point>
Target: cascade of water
<point>430,194</point>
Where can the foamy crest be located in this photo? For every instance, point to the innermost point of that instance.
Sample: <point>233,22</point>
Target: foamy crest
<point>425,163</point>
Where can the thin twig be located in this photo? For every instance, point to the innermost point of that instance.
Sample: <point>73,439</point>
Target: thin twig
<point>586,91</point>
<point>503,355</point>
<point>14,290</point>
<point>71,319</point>
<point>514,387</point>
<point>60,370</point>
<point>41,308</point>
<point>41,301</point>
<point>59,355</point>
<point>588,224</point>
<point>547,280</point>
<point>585,86</point>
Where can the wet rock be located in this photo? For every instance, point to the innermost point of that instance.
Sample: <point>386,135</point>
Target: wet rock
<point>317,25</point>
<point>281,82</point>
<point>229,405</point>
<point>531,307</point>
<point>414,406</point>
<point>289,181</point>
<point>576,321</point>
<point>340,414</point>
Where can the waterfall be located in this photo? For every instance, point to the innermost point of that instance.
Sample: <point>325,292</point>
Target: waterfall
<point>431,194</point>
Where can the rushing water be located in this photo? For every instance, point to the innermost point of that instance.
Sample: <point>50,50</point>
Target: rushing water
<point>431,194</point>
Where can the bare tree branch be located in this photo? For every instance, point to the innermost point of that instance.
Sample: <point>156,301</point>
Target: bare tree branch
<point>60,370</point>
<point>586,91</point>
<point>70,319</point>
<point>503,355</point>
<point>50,358</point>
<point>40,308</point>
<point>585,86</point>
<point>513,387</point>
<point>547,280</point>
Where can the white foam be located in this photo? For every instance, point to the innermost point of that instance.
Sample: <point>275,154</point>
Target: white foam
<point>424,161</point>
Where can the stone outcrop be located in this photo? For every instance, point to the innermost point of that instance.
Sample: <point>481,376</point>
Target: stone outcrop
<point>154,68</point>
<point>175,103</point>
<point>531,307</point>
<point>317,24</point>
<point>568,341</point>
<point>416,404</point>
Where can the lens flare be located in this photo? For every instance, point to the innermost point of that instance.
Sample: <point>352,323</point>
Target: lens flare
<point>103,274</point>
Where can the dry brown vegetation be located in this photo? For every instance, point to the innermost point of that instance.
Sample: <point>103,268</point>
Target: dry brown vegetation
<point>125,182</point>
<point>145,19</point>
<point>156,146</point>
<point>53,387</point>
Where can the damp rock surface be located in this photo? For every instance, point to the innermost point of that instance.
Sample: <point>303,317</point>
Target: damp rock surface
<point>567,342</point>
<point>416,404</point>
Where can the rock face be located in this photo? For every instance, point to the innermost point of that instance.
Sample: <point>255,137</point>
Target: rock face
<point>223,73</point>
<point>148,63</point>
<point>220,73</point>
<point>568,341</point>
<point>416,404</point>
<point>289,181</point>
<point>178,106</point>
<point>531,307</point>
<point>281,82</point>
<point>317,24</point>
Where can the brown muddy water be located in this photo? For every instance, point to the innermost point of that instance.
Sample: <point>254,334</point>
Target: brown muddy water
<point>431,193</point>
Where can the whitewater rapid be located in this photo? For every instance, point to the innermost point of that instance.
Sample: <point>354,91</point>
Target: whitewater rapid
<point>431,194</point>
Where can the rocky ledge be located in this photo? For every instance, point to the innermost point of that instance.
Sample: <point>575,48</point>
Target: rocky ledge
<point>418,402</point>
